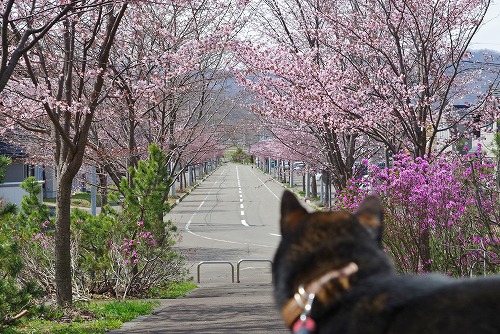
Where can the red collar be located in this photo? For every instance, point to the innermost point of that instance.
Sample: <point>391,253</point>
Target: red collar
<point>298,308</point>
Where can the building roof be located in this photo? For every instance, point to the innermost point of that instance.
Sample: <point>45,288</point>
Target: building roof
<point>11,151</point>
<point>496,92</point>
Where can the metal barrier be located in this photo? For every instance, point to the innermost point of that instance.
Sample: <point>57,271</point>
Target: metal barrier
<point>250,260</point>
<point>215,262</point>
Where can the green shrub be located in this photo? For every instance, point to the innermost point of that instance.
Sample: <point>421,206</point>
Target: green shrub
<point>124,253</point>
<point>15,295</point>
<point>129,252</point>
<point>4,162</point>
<point>33,214</point>
<point>35,234</point>
<point>240,156</point>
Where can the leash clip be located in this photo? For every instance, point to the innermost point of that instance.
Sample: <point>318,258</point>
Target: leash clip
<point>305,324</point>
<point>307,308</point>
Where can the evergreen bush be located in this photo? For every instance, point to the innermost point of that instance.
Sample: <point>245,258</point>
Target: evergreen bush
<point>16,291</point>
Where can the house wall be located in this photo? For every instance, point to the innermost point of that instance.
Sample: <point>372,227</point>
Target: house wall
<point>11,192</point>
<point>487,141</point>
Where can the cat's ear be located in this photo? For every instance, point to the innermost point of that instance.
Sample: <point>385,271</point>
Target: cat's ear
<point>292,212</point>
<point>371,215</point>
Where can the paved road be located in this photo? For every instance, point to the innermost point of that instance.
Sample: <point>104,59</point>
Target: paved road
<point>232,215</point>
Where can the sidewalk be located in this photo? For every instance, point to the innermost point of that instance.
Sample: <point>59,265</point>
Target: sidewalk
<point>297,188</point>
<point>231,308</point>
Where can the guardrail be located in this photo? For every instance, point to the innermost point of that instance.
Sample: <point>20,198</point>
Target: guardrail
<point>215,262</point>
<point>249,260</point>
<point>232,267</point>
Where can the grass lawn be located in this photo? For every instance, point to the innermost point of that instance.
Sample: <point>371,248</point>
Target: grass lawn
<point>95,316</point>
<point>78,199</point>
<point>174,291</point>
<point>228,153</point>
<point>82,200</point>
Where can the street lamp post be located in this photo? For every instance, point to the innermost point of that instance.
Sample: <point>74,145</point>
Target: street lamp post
<point>308,183</point>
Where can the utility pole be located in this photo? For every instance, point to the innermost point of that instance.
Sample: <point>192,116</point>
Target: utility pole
<point>308,182</point>
<point>93,192</point>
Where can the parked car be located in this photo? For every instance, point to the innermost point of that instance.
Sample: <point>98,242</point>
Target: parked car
<point>299,165</point>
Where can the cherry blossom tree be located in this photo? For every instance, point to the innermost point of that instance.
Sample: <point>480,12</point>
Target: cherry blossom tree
<point>56,93</point>
<point>169,84</point>
<point>391,69</point>
<point>24,24</point>
<point>163,83</point>
<point>406,67</point>
<point>282,67</point>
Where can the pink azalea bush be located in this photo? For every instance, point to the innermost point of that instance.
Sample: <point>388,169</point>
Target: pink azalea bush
<point>440,214</point>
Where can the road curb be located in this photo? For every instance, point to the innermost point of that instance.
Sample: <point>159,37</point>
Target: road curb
<point>293,189</point>
<point>196,185</point>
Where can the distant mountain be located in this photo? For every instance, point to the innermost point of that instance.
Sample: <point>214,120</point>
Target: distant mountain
<point>486,64</point>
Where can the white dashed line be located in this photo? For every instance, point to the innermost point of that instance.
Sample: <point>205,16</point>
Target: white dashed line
<point>243,221</point>
<point>215,239</point>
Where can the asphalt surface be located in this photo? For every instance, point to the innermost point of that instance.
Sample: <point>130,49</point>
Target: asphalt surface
<point>232,215</point>
<point>217,309</point>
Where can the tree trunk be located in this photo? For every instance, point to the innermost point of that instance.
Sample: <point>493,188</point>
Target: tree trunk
<point>341,159</point>
<point>181,178</point>
<point>326,180</point>
<point>387,158</point>
<point>424,250</point>
<point>424,245</point>
<point>62,240</point>
<point>314,186</point>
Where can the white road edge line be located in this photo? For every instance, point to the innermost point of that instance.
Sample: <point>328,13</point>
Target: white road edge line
<point>265,185</point>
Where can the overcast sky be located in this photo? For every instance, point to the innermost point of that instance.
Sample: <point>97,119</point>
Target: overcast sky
<point>488,37</point>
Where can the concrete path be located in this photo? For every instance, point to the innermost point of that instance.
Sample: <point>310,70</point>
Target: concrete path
<point>233,308</point>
